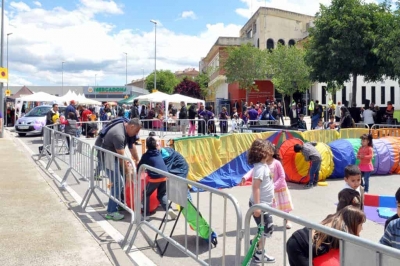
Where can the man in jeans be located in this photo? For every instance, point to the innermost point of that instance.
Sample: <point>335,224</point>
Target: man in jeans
<point>312,155</point>
<point>115,141</point>
<point>183,116</point>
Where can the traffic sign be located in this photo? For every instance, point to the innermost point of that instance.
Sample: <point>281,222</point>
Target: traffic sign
<point>3,75</point>
<point>8,93</point>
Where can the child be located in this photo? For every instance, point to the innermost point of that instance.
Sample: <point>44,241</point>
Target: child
<point>348,220</point>
<point>282,194</point>
<point>320,125</point>
<point>331,124</point>
<point>353,193</point>
<point>262,191</point>
<point>396,216</point>
<point>301,123</point>
<point>311,154</point>
<point>391,236</point>
<point>365,155</point>
<point>152,157</point>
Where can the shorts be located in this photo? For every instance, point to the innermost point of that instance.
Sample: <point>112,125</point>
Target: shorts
<point>268,223</point>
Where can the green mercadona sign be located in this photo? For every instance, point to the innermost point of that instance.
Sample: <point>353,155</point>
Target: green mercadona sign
<point>110,89</point>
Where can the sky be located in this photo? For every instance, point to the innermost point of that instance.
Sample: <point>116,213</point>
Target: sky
<point>96,38</point>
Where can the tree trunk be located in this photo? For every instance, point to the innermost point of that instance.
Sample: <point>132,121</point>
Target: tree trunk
<point>354,91</point>
<point>284,105</point>
<point>247,96</point>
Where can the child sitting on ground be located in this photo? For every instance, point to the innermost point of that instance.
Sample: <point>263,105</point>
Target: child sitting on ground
<point>352,193</point>
<point>152,157</point>
<point>262,191</point>
<point>391,236</point>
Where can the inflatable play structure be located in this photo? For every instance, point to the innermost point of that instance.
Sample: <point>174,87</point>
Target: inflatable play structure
<point>221,161</point>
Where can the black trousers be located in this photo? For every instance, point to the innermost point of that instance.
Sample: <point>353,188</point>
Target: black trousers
<point>295,254</point>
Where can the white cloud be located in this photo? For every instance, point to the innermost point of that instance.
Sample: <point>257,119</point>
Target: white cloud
<point>102,6</point>
<point>43,38</point>
<point>308,7</point>
<point>188,14</point>
<point>37,3</point>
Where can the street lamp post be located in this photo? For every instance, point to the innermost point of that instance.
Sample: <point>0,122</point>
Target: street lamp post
<point>62,78</point>
<point>155,52</point>
<point>5,113</point>
<point>95,84</point>
<point>126,69</point>
<point>1,65</point>
<point>143,77</point>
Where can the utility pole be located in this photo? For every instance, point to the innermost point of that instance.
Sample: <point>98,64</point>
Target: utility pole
<point>1,65</point>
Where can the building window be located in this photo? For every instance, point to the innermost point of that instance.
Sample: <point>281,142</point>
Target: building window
<point>323,96</point>
<point>292,42</point>
<point>281,41</point>
<point>258,43</point>
<point>363,94</point>
<point>255,28</point>
<point>250,34</point>
<point>373,93</point>
<point>392,95</point>
<point>270,44</point>
<point>344,95</point>
<point>383,95</point>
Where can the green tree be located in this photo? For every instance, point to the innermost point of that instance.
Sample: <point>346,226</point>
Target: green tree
<point>166,81</point>
<point>343,43</point>
<point>243,65</point>
<point>288,69</point>
<point>203,79</point>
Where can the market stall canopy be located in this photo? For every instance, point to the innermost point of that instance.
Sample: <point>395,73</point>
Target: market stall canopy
<point>81,99</point>
<point>154,97</point>
<point>127,100</point>
<point>69,96</point>
<point>41,97</point>
<point>179,97</point>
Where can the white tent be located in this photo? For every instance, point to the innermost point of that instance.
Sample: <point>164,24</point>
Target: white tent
<point>154,97</point>
<point>179,97</point>
<point>41,97</point>
<point>81,99</point>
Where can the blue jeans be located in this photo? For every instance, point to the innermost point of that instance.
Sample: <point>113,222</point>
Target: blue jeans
<point>115,178</point>
<point>366,176</point>
<point>314,171</point>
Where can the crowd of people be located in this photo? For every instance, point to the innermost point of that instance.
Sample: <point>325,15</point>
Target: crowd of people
<point>269,187</point>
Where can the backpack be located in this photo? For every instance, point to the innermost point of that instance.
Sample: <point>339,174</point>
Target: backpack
<point>110,125</point>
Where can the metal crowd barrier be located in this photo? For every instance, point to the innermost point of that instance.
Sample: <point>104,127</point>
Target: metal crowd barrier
<point>353,250</point>
<point>216,125</point>
<point>361,125</point>
<point>62,143</point>
<point>80,158</point>
<point>109,174</point>
<point>379,131</point>
<point>177,192</point>
<point>46,149</point>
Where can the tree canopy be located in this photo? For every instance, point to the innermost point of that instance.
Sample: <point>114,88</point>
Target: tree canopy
<point>343,43</point>
<point>288,69</point>
<point>243,65</point>
<point>188,88</point>
<point>202,80</point>
<point>166,81</point>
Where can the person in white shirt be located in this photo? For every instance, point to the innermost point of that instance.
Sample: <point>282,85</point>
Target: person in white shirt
<point>368,116</point>
<point>320,125</point>
<point>337,111</point>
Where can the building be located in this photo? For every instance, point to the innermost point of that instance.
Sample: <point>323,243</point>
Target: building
<point>266,28</point>
<point>99,93</point>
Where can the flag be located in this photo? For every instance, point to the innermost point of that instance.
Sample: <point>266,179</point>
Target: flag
<point>3,75</point>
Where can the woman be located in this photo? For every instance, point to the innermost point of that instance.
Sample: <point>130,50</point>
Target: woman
<point>346,121</point>
<point>349,219</point>
<point>368,116</point>
<point>192,122</point>
<point>279,109</point>
<point>223,123</point>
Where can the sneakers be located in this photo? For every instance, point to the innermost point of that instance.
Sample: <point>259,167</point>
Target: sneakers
<point>258,257</point>
<point>309,185</point>
<point>315,184</point>
<point>172,214</point>
<point>115,216</point>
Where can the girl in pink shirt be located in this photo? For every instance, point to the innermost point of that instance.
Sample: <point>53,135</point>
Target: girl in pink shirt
<point>365,155</point>
<point>283,199</point>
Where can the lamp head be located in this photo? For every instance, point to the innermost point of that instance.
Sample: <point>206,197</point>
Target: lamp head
<point>153,21</point>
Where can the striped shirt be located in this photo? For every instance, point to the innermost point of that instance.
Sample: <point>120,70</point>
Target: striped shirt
<point>391,237</point>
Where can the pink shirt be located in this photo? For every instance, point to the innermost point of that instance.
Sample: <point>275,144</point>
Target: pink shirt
<point>277,174</point>
<point>365,162</point>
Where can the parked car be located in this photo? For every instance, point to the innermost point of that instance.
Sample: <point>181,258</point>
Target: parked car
<point>34,121</point>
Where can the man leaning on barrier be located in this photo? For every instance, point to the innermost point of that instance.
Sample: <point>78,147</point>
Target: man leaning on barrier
<point>115,140</point>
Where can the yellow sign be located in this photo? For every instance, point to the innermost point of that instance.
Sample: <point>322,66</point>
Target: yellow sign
<point>126,97</point>
<point>154,90</point>
<point>3,75</point>
<point>8,93</point>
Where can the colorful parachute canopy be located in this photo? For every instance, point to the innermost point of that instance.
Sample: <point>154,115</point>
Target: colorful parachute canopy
<point>327,161</point>
<point>293,163</point>
<point>395,145</point>
<point>279,137</point>
<point>384,156</point>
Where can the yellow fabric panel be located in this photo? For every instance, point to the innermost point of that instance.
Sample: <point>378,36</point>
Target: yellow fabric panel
<point>327,161</point>
<point>302,165</point>
<point>227,148</point>
<point>353,133</point>
<point>201,155</point>
<point>325,136</point>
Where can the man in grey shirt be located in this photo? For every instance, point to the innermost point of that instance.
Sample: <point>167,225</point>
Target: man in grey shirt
<point>311,154</point>
<point>115,141</point>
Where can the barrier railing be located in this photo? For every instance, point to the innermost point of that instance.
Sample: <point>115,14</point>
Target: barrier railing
<point>46,149</point>
<point>62,144</point>
<point>111,175</point>
<point>352,249</point>
<point>361,125</point>
<point>220,126</point>
<point>379,131</point>
<point>177,192</point>
<point>80,153</point>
